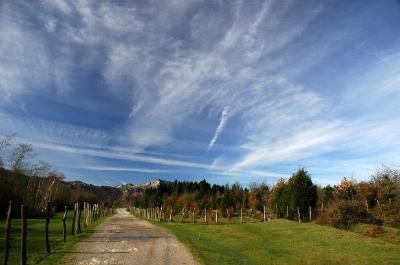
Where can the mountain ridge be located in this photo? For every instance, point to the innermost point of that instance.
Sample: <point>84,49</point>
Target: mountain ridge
<point>152,184</point>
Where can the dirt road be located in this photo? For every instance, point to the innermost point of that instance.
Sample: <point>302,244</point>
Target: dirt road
<point>125,240</point>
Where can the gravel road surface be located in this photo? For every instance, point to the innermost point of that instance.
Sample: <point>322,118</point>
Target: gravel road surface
<point>125,240</point>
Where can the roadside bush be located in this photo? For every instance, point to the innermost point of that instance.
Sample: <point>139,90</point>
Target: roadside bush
<point>369,230</point>
<point>395,223</point>
<point>388,213</point>
<point>374,231</point>
<point>345,214</point>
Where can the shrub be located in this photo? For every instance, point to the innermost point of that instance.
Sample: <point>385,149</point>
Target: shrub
<point>345,214</point>
<point>395,223</point>
<point>373,231</point>
<point>388,213</point>
<point>369,230</point>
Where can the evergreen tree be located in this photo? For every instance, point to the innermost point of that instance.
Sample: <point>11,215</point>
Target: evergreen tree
<point>302,193</point>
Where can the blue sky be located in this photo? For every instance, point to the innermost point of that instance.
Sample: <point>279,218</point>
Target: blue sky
<point>127,91</point>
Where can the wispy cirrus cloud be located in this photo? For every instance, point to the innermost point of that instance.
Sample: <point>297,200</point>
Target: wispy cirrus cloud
<point>116,80</point>
<point>126,169</point>
<point>305,143</point>
<point>220,127</point>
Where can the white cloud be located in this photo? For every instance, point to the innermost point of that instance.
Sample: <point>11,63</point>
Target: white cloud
<point>121,155</point>
<point>53,132</point>
<point>378,83</point>
<point>169,80</point>
<point>125,169</point>
<point>303,143</point>
<point>221,126</point>
<point>185,64</point>
<point>23,58</point>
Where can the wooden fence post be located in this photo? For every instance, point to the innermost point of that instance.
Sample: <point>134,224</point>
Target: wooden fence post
<point>91,213</point>
<point>64,224</point>
<point>264,213</point>
<point>91,207</point>
<point>205,214</point>
<point>23,236</point>
<point>183,214</point>
<point>241,215</point>
<point>73,221</point>
<point>310,213</point>
<point>8,229</point>
<point>47,227</point>
<point>78,226</point>
<point>298,214</point>
<point>287,211</point>
<point>216,216</point>
<point>84,215</point>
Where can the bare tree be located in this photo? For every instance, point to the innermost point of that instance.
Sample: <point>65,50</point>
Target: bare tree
<point>20,156</point>
<point>4,144</point>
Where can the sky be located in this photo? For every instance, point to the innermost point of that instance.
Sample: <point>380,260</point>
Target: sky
<point>113,92</point>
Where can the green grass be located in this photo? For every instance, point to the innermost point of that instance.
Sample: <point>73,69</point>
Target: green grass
<point>389,234</point>
<point>36,246</point>
<point>281,242</point>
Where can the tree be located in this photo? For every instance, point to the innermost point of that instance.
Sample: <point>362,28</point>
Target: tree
<point>366,193</point>
<point>252,200</point>
<point>4,144</point>
<point>327,196</point>
<point>280,199</point>
<point>19,157</point>
<point>302,193</point>
<point>228,203</point>
<point>346,190</point>
<point>239,195</point>
<point>386,180</point>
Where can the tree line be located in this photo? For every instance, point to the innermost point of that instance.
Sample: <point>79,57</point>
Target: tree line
<point>26,180</point>
<point>374,201</point>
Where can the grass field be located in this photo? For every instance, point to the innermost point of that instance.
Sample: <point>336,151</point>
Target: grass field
<point>36,246</point>
<point>281,242</point>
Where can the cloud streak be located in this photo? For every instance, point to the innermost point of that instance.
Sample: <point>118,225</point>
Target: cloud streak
<point>125,169</point>
<point>221,126</point>
<point>117,80</point>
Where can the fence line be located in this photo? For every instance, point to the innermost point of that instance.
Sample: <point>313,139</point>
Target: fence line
<point>91,213</point>
<point>216,215</point>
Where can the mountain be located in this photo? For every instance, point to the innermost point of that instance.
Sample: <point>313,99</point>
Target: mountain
<point>152,184</point>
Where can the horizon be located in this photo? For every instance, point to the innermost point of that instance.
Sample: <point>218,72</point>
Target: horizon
<point>111,93</point>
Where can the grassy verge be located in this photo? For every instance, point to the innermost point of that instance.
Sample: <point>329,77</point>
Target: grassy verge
<point>36,245</point>
<point>385,233</point>
<point>281,242</point>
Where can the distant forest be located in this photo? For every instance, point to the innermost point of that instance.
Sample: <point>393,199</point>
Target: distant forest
<point>375,201</point>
